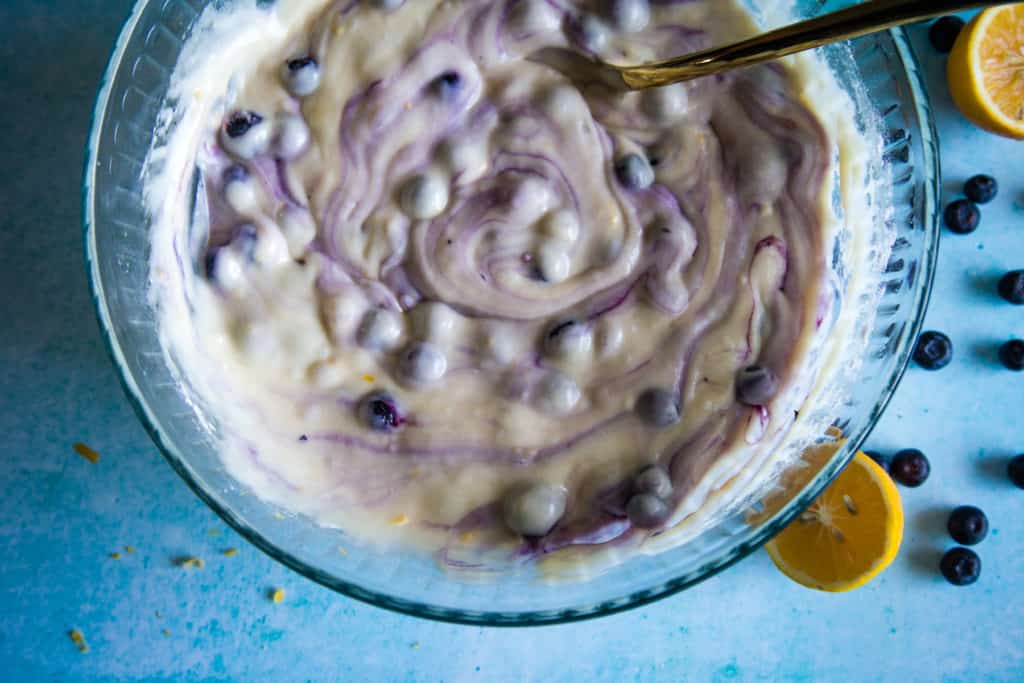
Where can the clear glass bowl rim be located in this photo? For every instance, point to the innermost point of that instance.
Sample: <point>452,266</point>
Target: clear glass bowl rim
<point>932,183</point>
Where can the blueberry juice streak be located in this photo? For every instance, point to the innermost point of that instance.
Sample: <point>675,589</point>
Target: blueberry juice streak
<point>450,298</point>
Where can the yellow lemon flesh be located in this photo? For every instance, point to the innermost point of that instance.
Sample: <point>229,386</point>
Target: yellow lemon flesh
<point>847,536</point>
<point>986,71</point>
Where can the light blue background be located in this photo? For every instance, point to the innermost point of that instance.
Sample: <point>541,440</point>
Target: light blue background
<point>62,516</point>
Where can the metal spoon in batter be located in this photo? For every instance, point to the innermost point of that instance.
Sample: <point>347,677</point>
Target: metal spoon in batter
<point>852,22</point>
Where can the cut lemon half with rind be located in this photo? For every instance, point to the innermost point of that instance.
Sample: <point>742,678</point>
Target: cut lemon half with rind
<point>986,70</point>
<point>848,536</point>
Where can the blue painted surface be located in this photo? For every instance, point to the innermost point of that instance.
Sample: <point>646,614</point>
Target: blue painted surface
<point>62,516</point>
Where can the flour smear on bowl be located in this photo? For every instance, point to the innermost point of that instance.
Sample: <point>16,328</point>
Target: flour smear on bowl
<point>432,293</point>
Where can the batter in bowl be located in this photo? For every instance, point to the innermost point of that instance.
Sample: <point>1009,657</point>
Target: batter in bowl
<point>435,293</point>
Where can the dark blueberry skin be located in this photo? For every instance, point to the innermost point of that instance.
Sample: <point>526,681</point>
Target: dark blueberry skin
<point>934,351</point>
<point>245,238</point>
<point>1015,470</point>
<point>756,385</point>
<point>634,172</point>
<point>448,85</point>
<point>239,123</point>
<point>961,566</point>
<point>962,217</point>
<point>910,467</point>
<point>944,32</point>
<point>880,459</point>
<point>647,511</point>
<point>235,172</point>
<point>968,525</point>
<point>981,189</point>
<point>1011,287</point>
<point>300,63</point>
<point>1011,354</point>
<point>210,263</point>
<point>379,412</point>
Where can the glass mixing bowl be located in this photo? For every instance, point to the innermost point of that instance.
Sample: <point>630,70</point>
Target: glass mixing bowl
<point>884,76</point>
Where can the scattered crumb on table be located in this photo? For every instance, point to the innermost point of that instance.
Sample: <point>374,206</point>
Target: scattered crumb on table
<point>400,520</point>
<point>230,551</point>
<point>213,532</point>
<point>415,646</point>
<point>277,596</point>
<point>79,640</point>
<point>196,562</point>
<point>279,515</point>
<point>86,452</point>
<point>129,549</point>
<point>166,632</point>
<point>115,556</point>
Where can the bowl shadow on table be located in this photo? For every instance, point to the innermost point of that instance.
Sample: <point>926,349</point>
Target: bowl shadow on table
<point>49,314</point>
<point>928,536</point>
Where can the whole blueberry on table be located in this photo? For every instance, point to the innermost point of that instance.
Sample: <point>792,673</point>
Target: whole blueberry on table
<point>1016,471</point>
<point>981,189</point>
<point>934,350</point>
<point>1011,287</point>
<point>1012,354</point>
<point>962,216</point>
<point>944,32</point>
<point>910,467</point>
<point>961,566</point>
<point>967,525</point>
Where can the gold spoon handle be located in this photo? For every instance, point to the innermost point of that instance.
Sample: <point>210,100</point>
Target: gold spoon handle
<point>852,22</point>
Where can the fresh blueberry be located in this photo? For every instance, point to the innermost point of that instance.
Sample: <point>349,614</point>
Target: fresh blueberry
<point>880,459</point>
<point>244,239</point>
<point>634,172</point>
<point>591,33</point>
<point>534,510</point>
<point>944,32</point>
<point>448,85</point>
<point>981,189</point>
<point>961,566</point>
<point>379,411</point>
<point>756,385</point>
<point>1015,470</point>
<point>647,511</point>
<point>1011,287</point>
<point>628,15</point>
<point>1012,355</point>
<point>934,351</point>
<point>210,264</point>
<point>240,122</point>
<point>968,525</point>
<point>568,339</point>
<point>962,216</point>
<point>658,407</point>
<point>301,76</point>
<point>245,134</point>
<point>234,173</point>
<point>423,363</point>
<point>424,196</point>
<point>910,467</point>
<point>654,480</point>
